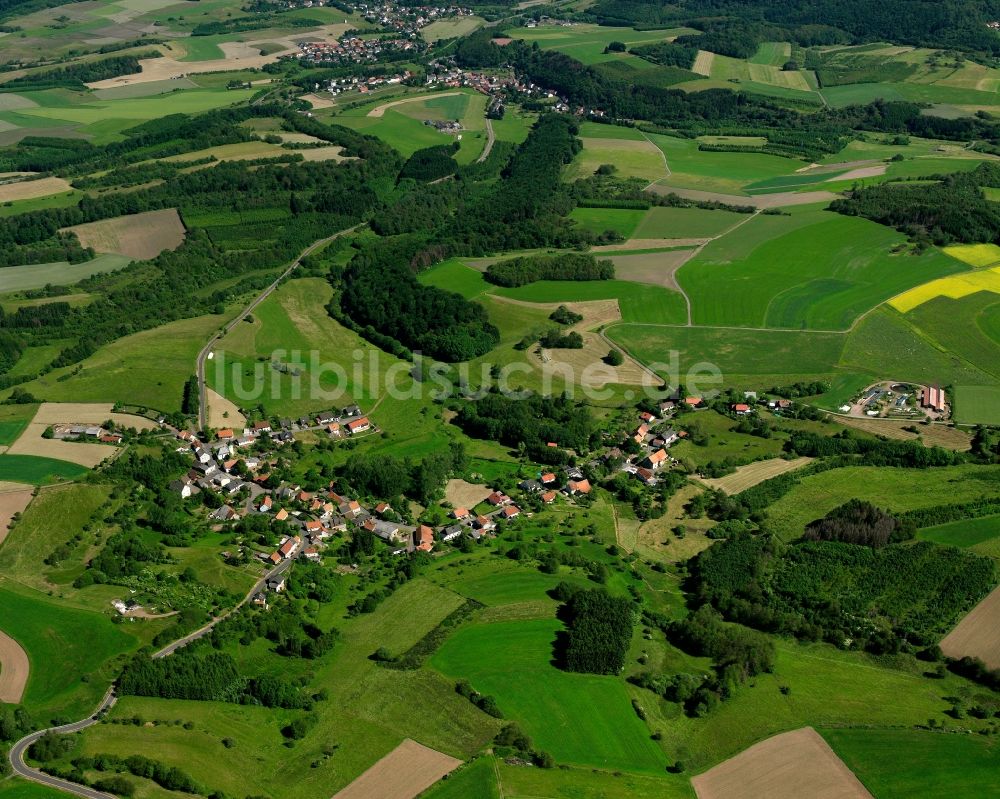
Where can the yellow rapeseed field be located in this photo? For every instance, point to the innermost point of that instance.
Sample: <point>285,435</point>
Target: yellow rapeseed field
<point>975,254</point>
<point>955,287</point>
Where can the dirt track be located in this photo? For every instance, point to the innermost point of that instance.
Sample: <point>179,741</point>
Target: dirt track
<point>405,772</point>
<point>14,669</point>
<point>978,634</point>
<point>793,765</point>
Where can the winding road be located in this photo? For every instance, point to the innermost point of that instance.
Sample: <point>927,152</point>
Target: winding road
<point>207,349</point>
<point>19,749</point>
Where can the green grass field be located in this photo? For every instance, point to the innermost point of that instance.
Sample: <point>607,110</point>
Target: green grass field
<point>964,533</point>
<point>682,223</point>
<point>759,357</point>
<point>34,276</point>
<point>453,275</point>
<point>891,488</point>
<point>13,419</point>
<point>73,653</point>
<point>622,221</point>
<point>579,719</point>
<point>977,404</point>
<point>586,42</point>
<point>915,763</point>
<point>638,302</point>
<point>821,272</point>
<point>885,342</point>
<point>37,470</point>
<point>147,368</point>
<point>15,788</point>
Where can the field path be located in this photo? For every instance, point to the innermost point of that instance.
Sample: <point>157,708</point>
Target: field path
<point>207,349</point>
<point>379,111</point>
<point>490,139</point>
<point>14,670</point>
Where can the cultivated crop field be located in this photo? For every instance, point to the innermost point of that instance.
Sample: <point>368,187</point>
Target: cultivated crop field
<point>141,236</point>
<point>405,772</point>
<point>918,762</point>
<point>30,189</point>
<point>753,473</point>
<point>977,404</point>
<point>978,634</point>
<point>783,767</point>
<point>822,272</point>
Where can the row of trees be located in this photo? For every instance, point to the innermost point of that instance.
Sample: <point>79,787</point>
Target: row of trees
<point>531,268</point>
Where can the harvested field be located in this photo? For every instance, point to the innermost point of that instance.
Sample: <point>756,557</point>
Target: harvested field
<point>861,172</point>
<point>29,189</point>
<point>703,63</point>
<point>462,494</point>
<point>792,765</point>
<point>585,366</point>
<point>777,200</point>
<point>978,634</point>
<point>379,111</point>
<point>223,412</point>
<point>31,442</point>
<point>405,772</point>
<point>318,102</point>
<point>14,498</point>
<point>648,244</point>
<point>140,236</point>
<point>935,435</point>
<point>753,473</point>
<point>658,268</point>
<point>87,413</point>
<point>14,669</point>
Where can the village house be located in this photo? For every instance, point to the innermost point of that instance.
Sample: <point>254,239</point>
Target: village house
<point>260,600</point>
<point>646,476</point>
<point>359,425</point>
<point>225,434</point>
<point>184,487</point>
<point>740,408</point>
<point>352,410</point>
<point>423,538</point>
<point>549,497</point>
<point>530,485</point>
<point>497,498</point>
<point>325,418</point>
<point>484,523</point>
<point>224,514</point>
<point>276,583</point>
<point>453,532</point>
<point>578,487</point>
<point>383,508</point>
<point>333,430</point>
<point>281,515</point>
<point>460,513</point>
<point>510,512</point>
<point>656,459</point>
<point>261,427</point>
<point>548,478</point>
<point>266,504</point>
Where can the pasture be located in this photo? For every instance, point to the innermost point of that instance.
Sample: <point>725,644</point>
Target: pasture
<point>369,712</point>
<point>140,236</point>
<point>578,718</point>
<point>977,404</point>
<point>891,343</point>
<point>638,303</point>
<point>587,43</point>
<point>813,270</point>
<point>450,28</point>
<point>756,357</point>
<point>786,766</point>
<point>631,158</point>
<point>147,368</point>
<point>622,221</point>
<point>894,489</point>
<point>931,765</point>
<point>60,273</point>
<point>978,634</point>
<point>63,644</point>
<point>964,533</point>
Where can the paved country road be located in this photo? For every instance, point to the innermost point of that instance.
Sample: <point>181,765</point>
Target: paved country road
<point>19,749</point>
<point>22,769</point>
<point>207,349</point>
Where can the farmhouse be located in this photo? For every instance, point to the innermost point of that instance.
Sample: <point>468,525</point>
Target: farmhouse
<point>359,425</point>
<point>423,538</point>
<point>933,398</point>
